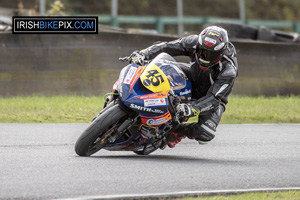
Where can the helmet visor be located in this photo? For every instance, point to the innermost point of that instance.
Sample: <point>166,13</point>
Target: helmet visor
<point>207,57</point>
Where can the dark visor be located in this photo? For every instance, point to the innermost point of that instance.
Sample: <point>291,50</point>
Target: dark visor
<point>208,56</point>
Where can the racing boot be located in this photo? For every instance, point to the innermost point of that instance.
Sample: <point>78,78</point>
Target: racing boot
<point>201,133</point>
<point>175,137</point>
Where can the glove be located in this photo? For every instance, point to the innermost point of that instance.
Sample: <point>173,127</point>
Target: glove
<point>137,57</point>
<point>187,110</point>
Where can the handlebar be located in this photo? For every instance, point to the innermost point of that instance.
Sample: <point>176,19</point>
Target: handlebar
<point>127,58</point>
<point>123,59</point>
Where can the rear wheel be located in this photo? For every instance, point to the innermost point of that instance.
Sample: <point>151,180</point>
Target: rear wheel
<point>96,136</point>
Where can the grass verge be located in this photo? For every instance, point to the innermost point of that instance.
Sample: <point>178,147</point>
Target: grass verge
<point>78,109</point>
<point>288,195</point>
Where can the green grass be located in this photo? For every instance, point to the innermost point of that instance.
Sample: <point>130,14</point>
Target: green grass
<point>262,110</point>
<point>79,109</point>
<point>58,109</point>
<point>289,195</point>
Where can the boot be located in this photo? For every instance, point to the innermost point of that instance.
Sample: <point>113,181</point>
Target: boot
<point>180,133</point>
<point>173,139</point>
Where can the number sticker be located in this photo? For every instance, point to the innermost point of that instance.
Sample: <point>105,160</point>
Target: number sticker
<point>154,78</point>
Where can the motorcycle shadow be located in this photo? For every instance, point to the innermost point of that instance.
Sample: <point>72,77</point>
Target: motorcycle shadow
<point>171,158</point>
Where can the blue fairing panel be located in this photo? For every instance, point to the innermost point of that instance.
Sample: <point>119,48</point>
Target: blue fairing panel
<point>178,81</point>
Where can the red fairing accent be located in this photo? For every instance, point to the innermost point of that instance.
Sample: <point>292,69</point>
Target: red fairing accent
<point>138,73</point>
<point>155,95</point>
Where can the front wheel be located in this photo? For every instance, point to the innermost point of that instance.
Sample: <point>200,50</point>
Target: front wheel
<point>96,136</point>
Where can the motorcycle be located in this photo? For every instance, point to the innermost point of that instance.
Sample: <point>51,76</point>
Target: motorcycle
<point>141,110</point>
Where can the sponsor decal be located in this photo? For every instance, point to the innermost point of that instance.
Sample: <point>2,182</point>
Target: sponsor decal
<point>210,40</point>
<point>213,34</point>
<point>120,81</point>
<point>160,121</point>
<point>130,75</point>
<point>209,44</point>
<point>155,95</point>
<point>219,46</point>
<point>186,91</point>
<point>206,108</point>
<point>156,120</point>
<point>155,102</point>
<point>150,121</point>
<point>144,109</point>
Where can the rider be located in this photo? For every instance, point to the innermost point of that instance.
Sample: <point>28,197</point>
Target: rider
<point>212,72</point>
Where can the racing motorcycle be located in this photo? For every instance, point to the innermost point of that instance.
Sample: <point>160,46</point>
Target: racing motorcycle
<point>141,110</point>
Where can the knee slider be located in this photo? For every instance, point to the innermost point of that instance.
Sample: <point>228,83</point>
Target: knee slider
<point>204,134</point>
<point>206,131</point>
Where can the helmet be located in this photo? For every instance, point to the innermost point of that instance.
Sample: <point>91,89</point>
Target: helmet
<point>212,43</point>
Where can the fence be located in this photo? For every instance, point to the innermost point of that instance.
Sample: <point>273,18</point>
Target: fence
<point>88,64</point>
<point>161,21</point>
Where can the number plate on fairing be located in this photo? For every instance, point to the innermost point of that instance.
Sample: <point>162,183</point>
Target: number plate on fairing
<point>154,79</point>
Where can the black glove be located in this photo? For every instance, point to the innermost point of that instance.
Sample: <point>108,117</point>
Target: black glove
<point>137,57</point>
<point>187,110</point>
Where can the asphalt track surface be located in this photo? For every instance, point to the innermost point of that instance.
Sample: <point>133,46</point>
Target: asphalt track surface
<point>37,161</point>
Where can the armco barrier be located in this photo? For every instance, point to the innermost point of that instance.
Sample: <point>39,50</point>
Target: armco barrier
<point>89,65</point>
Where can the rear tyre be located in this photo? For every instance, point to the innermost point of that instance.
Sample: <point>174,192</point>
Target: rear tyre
<point>96,136</point>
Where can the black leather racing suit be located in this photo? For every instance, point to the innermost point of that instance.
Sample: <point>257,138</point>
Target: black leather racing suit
<point>210,88</point>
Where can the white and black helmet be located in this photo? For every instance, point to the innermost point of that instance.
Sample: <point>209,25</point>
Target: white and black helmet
<point>212,43</point>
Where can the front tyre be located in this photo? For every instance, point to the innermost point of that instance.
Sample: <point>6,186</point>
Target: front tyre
<point>95,137</point>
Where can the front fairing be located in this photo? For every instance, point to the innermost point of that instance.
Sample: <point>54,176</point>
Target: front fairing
<point>133,82</point>
<point>144,89</point>
<point>150,103</point>
<point>136,96</point>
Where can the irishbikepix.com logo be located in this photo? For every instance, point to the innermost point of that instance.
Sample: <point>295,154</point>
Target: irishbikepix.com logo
<point>55,25</point>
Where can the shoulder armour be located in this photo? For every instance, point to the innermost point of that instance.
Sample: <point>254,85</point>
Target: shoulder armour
<point>190,41</point>
<point>229,71</point>
<point>230,51</point>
